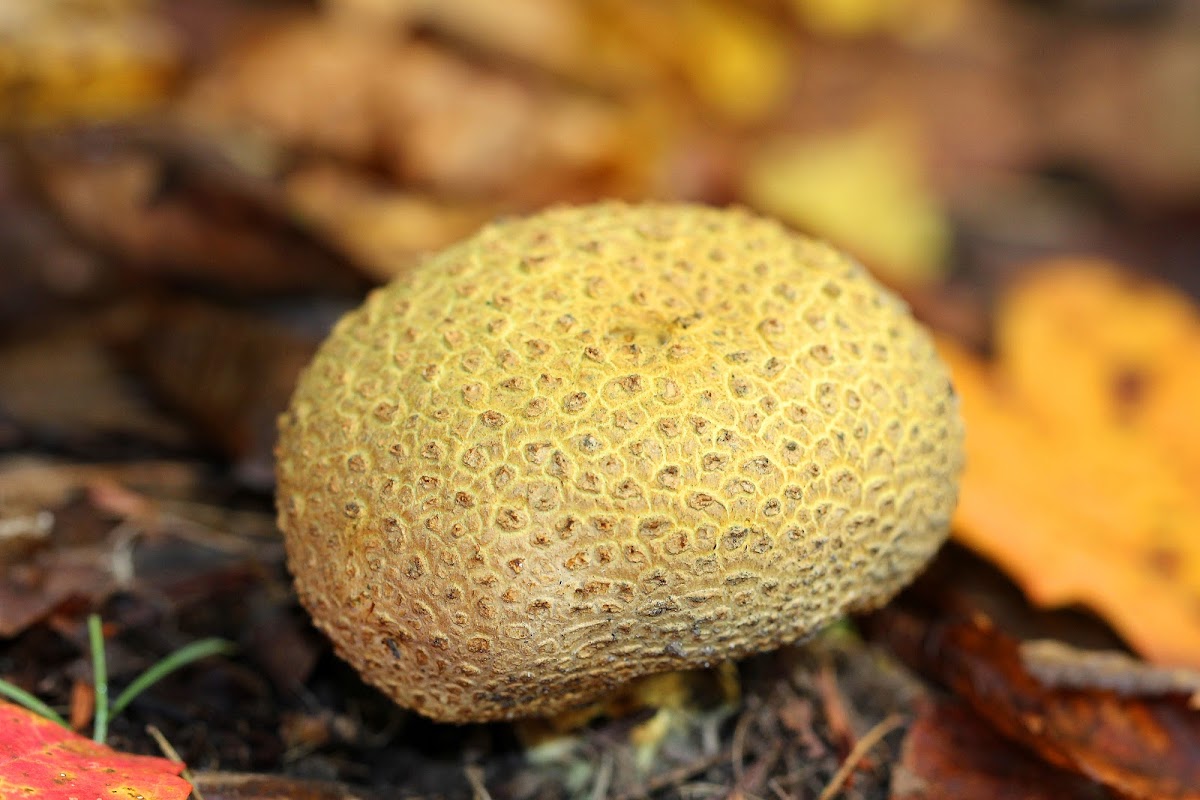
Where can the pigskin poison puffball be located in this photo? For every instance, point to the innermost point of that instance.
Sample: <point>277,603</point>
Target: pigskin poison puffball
<point>607,441</point>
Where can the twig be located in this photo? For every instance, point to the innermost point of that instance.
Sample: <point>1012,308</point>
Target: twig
<point>860,749</point>
<point>675,776</point>
<point>835,709</point>
<point>475,778</point>
<point>172,754</point>
<point>777,787</point>
<point>603,777</point>
<point>738,754</point>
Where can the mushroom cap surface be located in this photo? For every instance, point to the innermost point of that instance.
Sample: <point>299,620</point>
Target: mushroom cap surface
<point>606,441</point>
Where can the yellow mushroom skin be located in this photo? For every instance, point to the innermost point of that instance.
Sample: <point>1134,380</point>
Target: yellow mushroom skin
<point>607,441</point>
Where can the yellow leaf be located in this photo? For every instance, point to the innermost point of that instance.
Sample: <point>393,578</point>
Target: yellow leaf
<point>1082,452</point>
<point>736,61</point>
<point>907,19</point>
<point>61,60</point>
<point>865,190</point>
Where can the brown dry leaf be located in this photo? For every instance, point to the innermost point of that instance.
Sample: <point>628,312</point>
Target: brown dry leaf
<point>1145,747</point>
<point>383,230</point>
<point>168,204</point>
<point>1083,453</point>
<point>53,548</point>
<point>252,786</point>
<point>433,119</point>
<point>300,82</point>
<point>951,754</point>
<point>231,372</point>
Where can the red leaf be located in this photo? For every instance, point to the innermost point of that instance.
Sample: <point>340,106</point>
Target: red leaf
<point>39,759</point>
<point>950,754</point>
<point>1146,747</point>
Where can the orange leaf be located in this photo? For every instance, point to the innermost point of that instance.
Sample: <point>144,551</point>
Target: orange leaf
<point>1083,451</point>
<point>39,759</point>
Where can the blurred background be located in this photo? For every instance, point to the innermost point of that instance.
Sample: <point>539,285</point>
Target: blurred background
<point>269,146</point>
<point>191,192</point>
<point>175,173</point>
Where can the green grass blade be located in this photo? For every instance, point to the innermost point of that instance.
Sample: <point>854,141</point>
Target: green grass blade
<point>22,697</point>
<point>99,678</point>
<point>181,657</point>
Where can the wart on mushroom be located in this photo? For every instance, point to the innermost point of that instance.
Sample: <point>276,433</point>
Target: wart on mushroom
<point>604,442</point>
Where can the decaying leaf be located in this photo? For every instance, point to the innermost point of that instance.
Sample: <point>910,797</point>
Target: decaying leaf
<point>1145,747</point>
<point>229,371</point>
<point>382,229</point>
<point>40,760</point>
<point>951,754</point>
<point>1083,452</point>
<point>168,204</point>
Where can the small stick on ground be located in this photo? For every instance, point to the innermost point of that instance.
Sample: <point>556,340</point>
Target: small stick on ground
<point>475,778</point>
<point>603,777</point>
<point>675,776</point>
<point>861,747</point>
<point>836,715</point>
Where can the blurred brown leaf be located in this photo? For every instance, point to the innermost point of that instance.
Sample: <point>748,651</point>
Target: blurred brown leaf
<point>172,206</point>
<point>63,391</point>
<point>950,754</point>
<point>382,230</point>
<point>230,372</point>
<point>55,547</point>
<point>434,119</point>
<point>1145,747</point>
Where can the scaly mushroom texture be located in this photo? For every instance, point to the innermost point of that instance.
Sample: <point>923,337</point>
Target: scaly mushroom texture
<point>607,441</point>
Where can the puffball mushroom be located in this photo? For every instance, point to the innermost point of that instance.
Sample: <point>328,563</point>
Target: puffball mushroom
<point>607,441</point>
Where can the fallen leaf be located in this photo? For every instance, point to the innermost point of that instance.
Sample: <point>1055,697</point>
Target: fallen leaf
<point>72,533</point>
<point>39,759</point>
<point>230,371</point>
<point>249,786</point>
<point>383,230</point>
<point>171,205</point>
<point>1083,457</point>
<point>1146,747</point>
<point>951,754</point>
<point>863,189</point>
<point>736,60</point>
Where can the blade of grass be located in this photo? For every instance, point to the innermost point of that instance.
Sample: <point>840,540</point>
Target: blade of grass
<point>19,695</point>
<point>99,678</point>
<point>156,672</point>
